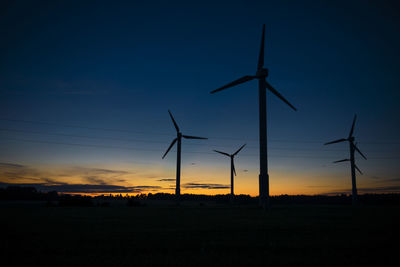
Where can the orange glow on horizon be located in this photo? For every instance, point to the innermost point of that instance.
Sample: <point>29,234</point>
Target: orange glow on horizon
<point>161,179</point>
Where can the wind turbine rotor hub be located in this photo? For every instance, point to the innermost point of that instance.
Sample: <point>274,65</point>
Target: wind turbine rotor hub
<point>262,73</point>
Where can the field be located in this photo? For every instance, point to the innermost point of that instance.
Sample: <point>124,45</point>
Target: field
<point>216,235</point>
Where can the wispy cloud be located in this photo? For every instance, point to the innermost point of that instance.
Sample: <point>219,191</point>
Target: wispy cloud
<point>88,188</point>
<point>205,186</point>
<point>12,165</point>
<point>14,171</point>
<point>107,171</point>
<point>167,180</point>
<point>381,189</point>
<point>49,181</point>
<point>392,180</point>
<point>18,173</point>
<point>99,176</point>
<point>375,177</point>
<point>319,186</point>
<point>379,179</point>
<point>95,180</point>
<point>378,189</point>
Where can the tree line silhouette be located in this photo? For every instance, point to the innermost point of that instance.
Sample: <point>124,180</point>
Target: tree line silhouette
<point>53,198</point>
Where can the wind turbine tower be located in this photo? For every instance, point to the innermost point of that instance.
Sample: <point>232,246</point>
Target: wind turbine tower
<point>233,171</point>
<point>353,147</point>
<point>263,85</point>
<point>178,139</point>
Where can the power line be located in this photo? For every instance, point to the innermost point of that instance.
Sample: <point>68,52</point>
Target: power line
<point>80,127</point>
<point>150,141</point>
<point>165,134</point>
<point>160,151</point>
<point>81,136</point>
<point>162,142</point>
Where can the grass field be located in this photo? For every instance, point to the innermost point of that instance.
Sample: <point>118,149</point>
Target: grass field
<point>200,235</point>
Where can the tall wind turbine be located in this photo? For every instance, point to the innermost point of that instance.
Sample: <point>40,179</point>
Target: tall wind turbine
<point>353,148</point>
<point>261,75</point>
<point>233,171</point>
<point>178,138</point>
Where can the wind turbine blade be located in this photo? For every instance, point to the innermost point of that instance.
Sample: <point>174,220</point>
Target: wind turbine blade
<point>336,141</point>
<point>238,150</point>
<point>233,167</point>
<point>279,95</point>
<point>358,169</point>
<point>261,55</point>
<point>223,153</point>
<point>170,146</point>
<point>342,160</point>
<point>236,82</point>
<point>352,126</point>
<point>193,137</point>
<point>358,150</point>
<point>173,120</point>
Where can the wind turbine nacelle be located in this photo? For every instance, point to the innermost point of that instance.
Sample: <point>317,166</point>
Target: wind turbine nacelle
<point>261,73</point>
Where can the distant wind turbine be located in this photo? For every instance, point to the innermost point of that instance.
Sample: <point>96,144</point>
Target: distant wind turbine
<point>233,171</point>
<point>353,148</point>
<point>178,138</point>
<point>261,75</point>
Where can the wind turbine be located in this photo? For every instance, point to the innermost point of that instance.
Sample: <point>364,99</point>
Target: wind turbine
<point>353,148</point>
<point>233,171</point>
<point>261,75</point>
<point>178,138</point>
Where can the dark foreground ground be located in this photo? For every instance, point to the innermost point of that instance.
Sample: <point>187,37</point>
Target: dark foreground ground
<point>35,235</point>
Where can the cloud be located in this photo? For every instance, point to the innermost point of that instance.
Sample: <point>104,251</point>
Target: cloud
<point>392,180</point>
<point>385,179</point>
<point>99,176</point>
<point>319,186</point>
<point>12,165</point>
<point>375,177</point>
<point>11,172</point>
<point>167,180</point>
<point>94,172</point>
<point>106,171</point>
<point>205,186</point>
<point>171,187</point>
<point>151,175</point>
<point>147,187</point>
<point>378,189</point>
<point>50,181</point>
<point>382,189</point>
<point>88,188</point>
<point>95,180</point>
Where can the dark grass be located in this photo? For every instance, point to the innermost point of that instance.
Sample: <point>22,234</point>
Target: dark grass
<point>200,235</point>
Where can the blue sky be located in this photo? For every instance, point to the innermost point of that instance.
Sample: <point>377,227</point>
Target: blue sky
<point>112,70</point>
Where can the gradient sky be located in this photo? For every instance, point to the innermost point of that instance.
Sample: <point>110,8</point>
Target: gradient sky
<point>85,89</point>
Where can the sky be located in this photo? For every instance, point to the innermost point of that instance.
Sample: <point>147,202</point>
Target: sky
<point>85,89</point>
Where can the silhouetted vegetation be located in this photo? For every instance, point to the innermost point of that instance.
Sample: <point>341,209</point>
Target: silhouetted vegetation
<point>75,201</point>
<point>132,202</point>
<point>54,199</point>
<point>26,193</point>
<point>366,199</point>
<point>297,231</point>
